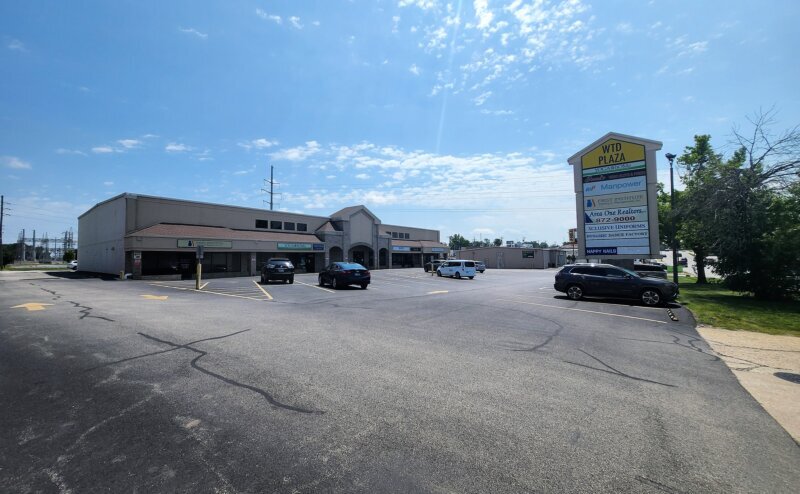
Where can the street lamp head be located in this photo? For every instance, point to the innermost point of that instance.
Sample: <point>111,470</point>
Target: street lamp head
<point>670,157</point>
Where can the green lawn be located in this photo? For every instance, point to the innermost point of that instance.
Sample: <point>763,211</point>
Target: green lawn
<point>714,305</point>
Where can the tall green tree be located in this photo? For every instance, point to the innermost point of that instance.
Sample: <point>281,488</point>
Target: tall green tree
<point>702,166</point>
<point>749,198</point>
<point>458,242</point>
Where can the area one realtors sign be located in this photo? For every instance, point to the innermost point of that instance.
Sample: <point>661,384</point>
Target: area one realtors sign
<point>615,189</point>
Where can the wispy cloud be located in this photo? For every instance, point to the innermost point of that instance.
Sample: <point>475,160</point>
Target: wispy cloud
<point>258,144</point>
<point>191,30</point>
<point>269,17</point>
<point>414,69</point>
<point>108,183</point>
<point>102,149</point>
<point>295,21</point>
<point>15,163</point>
<point>298,153</point>
<point>481,98</point>
<point>362,176</point>
<point>176,147</point>
<point>70,151</point>
<point>16,45</point>
<point>129,143</point>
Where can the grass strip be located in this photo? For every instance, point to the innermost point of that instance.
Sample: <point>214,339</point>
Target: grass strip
<point>714,305</point>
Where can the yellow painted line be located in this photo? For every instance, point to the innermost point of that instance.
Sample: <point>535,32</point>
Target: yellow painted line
<point>169,286</point>
<point>262,289</point>
<point>204,285</point>
<point>581,310</point>
<point>31,306</point>
<point>438,291</point>
<point>315,286</point>
<point>155,297</point>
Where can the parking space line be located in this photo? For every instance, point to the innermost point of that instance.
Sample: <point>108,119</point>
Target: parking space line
<point>315,286</point>
<point>438,292</point>
<point>262,290</point>
<point>204,285</point>
<point>581,310</point>
<point>207,291</point>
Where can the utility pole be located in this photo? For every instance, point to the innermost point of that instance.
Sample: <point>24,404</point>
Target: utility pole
<point>671,157</point>
<point>34,246</point>
<point>271,183</point>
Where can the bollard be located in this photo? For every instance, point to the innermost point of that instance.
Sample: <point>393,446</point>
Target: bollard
<point>122,275</point>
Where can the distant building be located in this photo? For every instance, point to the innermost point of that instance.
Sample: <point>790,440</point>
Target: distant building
<point>514,257</point>
<point>157,236</point>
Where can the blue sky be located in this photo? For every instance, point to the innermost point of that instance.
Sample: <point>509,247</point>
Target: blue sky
<point>457,116</point>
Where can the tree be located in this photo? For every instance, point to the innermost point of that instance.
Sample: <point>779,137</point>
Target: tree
<point>498,242</point>
<point>748,200</point>
<point>694,231</point>
<point>458,242</point>
<point>69,255</point>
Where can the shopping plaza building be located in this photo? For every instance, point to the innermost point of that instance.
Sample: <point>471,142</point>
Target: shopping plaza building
<point>156,237</point>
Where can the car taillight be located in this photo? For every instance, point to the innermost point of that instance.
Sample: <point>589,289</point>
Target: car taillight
<point>346,271</point>
<point>366,271</point>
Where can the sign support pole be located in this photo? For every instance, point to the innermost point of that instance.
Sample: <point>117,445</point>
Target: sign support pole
<point>199,271</point>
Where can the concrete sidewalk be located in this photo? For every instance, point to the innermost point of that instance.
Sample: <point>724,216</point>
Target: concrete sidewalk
<point>755,359</point>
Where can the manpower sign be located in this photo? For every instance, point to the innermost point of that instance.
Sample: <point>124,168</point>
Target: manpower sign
<point>615,189</point>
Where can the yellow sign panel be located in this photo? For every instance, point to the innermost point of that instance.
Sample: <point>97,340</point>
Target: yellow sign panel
<point>613,152</point>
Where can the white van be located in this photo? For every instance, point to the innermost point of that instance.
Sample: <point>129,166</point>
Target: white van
<point>457,268</point>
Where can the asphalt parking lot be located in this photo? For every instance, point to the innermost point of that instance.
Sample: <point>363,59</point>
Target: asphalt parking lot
<point>417,384</point>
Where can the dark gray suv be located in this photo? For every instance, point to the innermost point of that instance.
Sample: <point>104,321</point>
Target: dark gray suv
<point>277,269</point>
<point>606,280</point>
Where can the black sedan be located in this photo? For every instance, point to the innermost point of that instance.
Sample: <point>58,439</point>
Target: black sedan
<point>344,273</point>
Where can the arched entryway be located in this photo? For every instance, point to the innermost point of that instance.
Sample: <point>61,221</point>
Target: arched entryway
<point>336,254</point>
<point>383,258</point>
<point>362,254</point>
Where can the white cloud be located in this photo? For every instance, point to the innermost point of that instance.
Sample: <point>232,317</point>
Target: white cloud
<point>260,143</point>
<point>129,143</point>
<point>194,31</point>
<point>422,4</point>
<point>176,147</point>
<point>395,24</point>
<point>483,14</point>
<point>269,17</point>
<point>414,69</point>
<point>315,23</point>
<point>624,28</point>
<point>295,22</point>
<point>481,98</point>
<point>15,163</point>
<point>108,184</point>
<point>497,112</point>
<point>16,45</point>
<point>102,149</point>
<point>362,176</point>
<point>298,153</point>
<point>70,151</point>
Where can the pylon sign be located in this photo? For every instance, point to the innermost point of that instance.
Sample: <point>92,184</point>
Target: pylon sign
<point>615,189</point>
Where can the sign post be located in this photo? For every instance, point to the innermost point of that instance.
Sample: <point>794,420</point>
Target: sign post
<point>199,267</point>
<point>615,192</point>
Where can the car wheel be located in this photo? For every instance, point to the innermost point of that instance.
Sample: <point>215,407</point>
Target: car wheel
<point>470,277</point>
<point>263,281</point>
<point>334,284</point>
<point>438,273</point>
<point>320,281</point>
<point>364,286</point>
<point>458,275</point>
<point>574,292</point>
<point>291,280</point>
<point>651,297</point>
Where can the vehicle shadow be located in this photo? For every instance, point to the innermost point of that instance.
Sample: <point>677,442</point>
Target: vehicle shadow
<point>619,301</point>
<point>81,275</point>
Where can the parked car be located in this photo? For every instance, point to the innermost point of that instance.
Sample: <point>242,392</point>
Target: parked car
<point>277,268</point>
<point>73,265</point>
<point>605,280</point>
<point>433,264</point>
<point>480,266</point>
<point>683,261</point>
<point>457,268</point>
<point>652,270</point>
<point>344,273</point>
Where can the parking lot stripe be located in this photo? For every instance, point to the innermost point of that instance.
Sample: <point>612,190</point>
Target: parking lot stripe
<point>438,292</point>
<point>581,310</point>
<point>204,285</point>
<point>207,291</point>
<point>262,289</point>
<point>315,286</point>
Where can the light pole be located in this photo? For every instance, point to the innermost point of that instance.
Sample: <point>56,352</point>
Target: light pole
<point>671,157</point>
